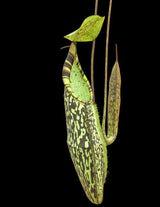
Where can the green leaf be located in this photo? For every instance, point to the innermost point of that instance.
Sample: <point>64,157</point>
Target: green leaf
<point>88,31</point>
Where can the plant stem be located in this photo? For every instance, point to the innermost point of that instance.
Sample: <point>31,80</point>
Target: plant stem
<point>106,71</point>
<point>116,48</point>
<point>92,55</point>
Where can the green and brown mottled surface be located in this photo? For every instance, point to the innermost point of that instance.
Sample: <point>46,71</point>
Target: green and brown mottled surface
<point>114,100</point>
<point>84,134</point>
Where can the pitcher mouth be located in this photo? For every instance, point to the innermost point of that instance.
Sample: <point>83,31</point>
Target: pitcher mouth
<point>74,78</point>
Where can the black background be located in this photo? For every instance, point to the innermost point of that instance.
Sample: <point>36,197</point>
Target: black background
<point>47,173</point>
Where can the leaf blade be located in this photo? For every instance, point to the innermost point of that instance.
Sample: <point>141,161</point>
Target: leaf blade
<point>88,31</point>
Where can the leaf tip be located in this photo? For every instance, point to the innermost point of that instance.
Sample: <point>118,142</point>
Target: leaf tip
<point>67,37</point>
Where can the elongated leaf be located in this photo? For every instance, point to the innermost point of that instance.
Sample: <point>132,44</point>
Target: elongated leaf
<point>113,103</point>
<point>88,31</point>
